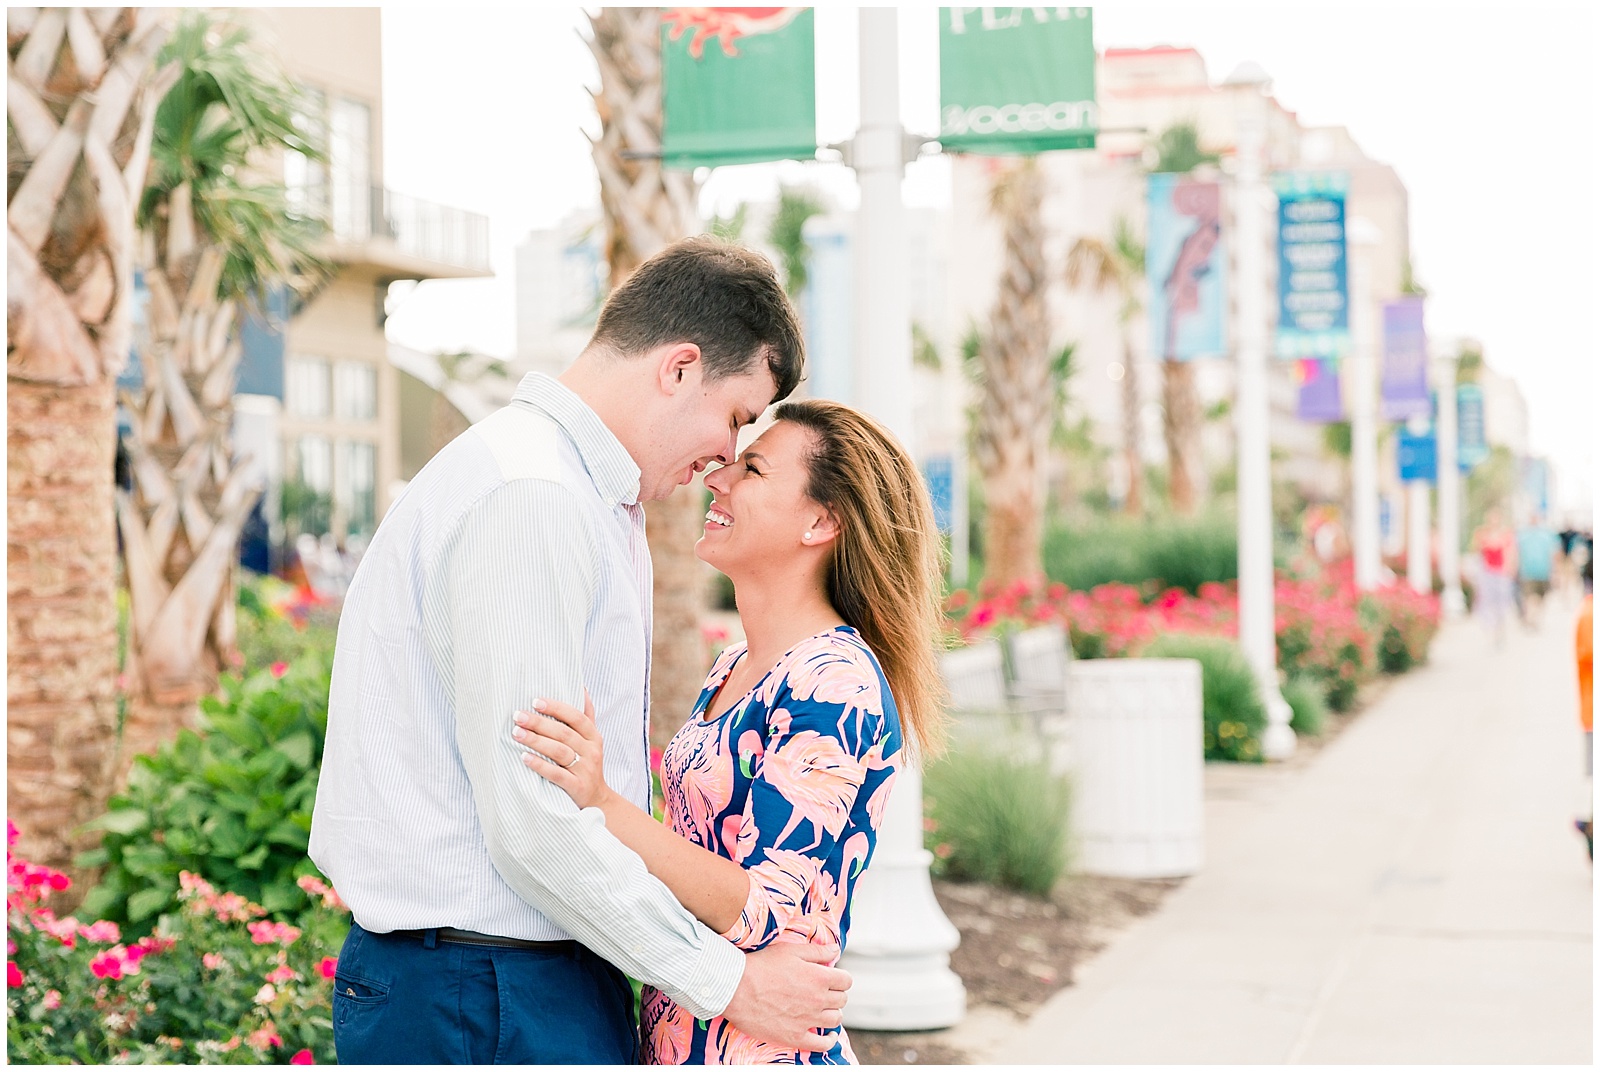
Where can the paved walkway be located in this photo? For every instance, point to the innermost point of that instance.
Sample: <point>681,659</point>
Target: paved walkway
<point>1412,893</point>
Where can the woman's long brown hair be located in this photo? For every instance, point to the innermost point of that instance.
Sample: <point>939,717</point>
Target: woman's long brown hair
<point>885,576</point>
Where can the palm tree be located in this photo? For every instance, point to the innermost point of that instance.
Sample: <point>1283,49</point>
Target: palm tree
<point>83,87</point>
<point>646,209</point>
<point>213,241</point>
<point>1014,410</point>
<point>1177,150</point>
<point>1118,266</point>
<point>796,205</point>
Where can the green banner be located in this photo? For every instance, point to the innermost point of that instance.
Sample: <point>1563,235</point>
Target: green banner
<point>739,84</point>
<point>1016,79</point>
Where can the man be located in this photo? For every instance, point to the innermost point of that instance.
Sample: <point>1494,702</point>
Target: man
<point>491,915</point>
<point>1536,556</point>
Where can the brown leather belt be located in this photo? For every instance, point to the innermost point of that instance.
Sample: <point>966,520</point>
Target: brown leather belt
<point>493,941</point>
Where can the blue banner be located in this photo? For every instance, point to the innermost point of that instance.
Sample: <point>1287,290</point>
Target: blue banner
<point>1418,455</point>
<point>1320,398</point>
<point>1472,443</point>
<point>1313,283</point>
<point>1405,361</point>
<point>1186,265</point>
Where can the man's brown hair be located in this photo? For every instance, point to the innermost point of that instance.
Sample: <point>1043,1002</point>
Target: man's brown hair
<point>722,297</point>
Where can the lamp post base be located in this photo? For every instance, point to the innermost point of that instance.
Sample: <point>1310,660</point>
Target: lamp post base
<point>1278,740</point>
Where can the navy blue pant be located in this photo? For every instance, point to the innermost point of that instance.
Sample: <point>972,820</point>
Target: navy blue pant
<point>396,1000</point>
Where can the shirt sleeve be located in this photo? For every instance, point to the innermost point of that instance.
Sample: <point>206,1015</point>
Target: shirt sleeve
<point>516,582</point>
<point>824,734</point>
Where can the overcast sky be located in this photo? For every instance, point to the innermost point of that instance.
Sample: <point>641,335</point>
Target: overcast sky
<point>1488,113</point>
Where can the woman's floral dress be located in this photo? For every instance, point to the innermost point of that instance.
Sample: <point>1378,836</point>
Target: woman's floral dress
<point>790,783</point>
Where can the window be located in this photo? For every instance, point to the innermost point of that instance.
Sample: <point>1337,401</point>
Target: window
<point>355,391</point>
<point>350,168</point>
<point>316,464</point>
<point>305,179</point>
<point>358,484</point>
<point>308,388</point>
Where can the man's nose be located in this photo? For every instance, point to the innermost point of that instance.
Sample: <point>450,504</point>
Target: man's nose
<point>730,448</point>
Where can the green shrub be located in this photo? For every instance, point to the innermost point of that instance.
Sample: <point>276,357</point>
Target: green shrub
<point>1305,699</point>
<point>997,819</point>
<point>231,803</point>
<point>214,983</point>
<point>278,624</point>
<point>1165,553</point>
<point>1234,713</point>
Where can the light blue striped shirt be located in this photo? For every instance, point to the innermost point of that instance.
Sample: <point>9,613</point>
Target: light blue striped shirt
<point>514,566</point>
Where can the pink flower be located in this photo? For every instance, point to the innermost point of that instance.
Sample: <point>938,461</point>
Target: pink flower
<point>12,833</point>
<point>13,974</point>
<point>278,669</point>
<point>264,1036</point>
<point>156,943</point>
<point>281,974</point>
<point>265,996</point>
<point>213,961</point>
<point>102,931</point>
<point>52,999</point>
<point>194,885</point>
<point>328,966</point>
<point>107,965</point>
<point>303,1058</point>
<point>266,933</point>
<point>232,1044</point>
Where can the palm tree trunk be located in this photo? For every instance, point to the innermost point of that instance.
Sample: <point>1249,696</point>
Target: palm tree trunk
<point>646,209</point>
<point>1132,434</point>
<point>1014,413</point>
<point>181,525</point>
<point>1181,423</point>
<point>80,104</point>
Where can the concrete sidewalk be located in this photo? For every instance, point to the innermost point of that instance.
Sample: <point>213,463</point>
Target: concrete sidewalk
<point>1413,893</point>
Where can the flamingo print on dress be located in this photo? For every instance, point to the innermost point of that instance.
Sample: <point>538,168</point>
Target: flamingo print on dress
<point>791,782</point>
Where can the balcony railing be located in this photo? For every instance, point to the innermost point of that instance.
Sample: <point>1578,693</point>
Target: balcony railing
<point>358,213</point>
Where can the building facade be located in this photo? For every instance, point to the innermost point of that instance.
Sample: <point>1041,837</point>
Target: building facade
<point>319,405</point>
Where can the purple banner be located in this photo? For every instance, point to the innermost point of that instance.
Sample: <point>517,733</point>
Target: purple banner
<point>1320,400</point>
<point>1405,361</point>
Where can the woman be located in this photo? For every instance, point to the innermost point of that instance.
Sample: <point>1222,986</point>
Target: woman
<point>1496,546</point>
<point>777,784</point>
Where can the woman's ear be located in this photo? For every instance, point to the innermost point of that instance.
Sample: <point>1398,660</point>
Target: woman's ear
<point>822,528</point>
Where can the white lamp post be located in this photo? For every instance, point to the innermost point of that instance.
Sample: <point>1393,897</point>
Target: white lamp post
<point>1362,236</point>
<point>1257,634</point>
<point>900,940</point>
<point>1452,600</point>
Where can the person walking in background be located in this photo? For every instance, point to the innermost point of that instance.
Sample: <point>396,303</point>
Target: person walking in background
<point>1585,652</point>
<point>1496,547</point>
<point>1536,555</point>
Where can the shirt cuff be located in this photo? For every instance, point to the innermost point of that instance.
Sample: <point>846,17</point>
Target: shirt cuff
<point>711,984</point>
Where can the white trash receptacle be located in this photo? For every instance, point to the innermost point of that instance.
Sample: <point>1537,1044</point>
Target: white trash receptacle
<point>1136,753</point>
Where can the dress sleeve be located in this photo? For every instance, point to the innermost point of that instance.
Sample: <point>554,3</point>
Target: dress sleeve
<point>824,736</point>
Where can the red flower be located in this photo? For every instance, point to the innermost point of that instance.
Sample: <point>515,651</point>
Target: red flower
<point>13,974</point>
<point>278,669</point>
<point>328,966</point>
<point>303,1058</point>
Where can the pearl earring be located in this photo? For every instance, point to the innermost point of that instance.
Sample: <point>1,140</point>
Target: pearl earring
<point>807,536</point>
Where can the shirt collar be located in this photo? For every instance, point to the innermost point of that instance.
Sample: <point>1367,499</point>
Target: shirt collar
<point>611,467</point>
